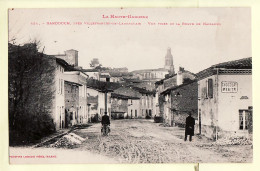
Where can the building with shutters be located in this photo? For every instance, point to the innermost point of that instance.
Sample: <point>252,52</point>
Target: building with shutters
<point>225,99</point>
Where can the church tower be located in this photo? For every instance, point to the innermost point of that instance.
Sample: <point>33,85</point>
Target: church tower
<point>169,62</point>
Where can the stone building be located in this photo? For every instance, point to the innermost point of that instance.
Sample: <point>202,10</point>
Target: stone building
<point>225,99</point>
<point>76,97</point>
<point>179,101</point>
<point>181,77</point>
<point>146,102</point>
<point>124,106</point>
<point>119,105</point>
<point>59,96</point>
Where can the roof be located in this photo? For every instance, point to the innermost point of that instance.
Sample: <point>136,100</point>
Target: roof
<point>245,63</point>
<point>168,90</point>
<point>143,91</point>
<point>120,96</point>
<point>73,83</point>
<point>63,63</point>
<point>150,70</point>
<point>104,76</point>
<point>171,76</point>
<point>102,86</point>
<point>71,50</point>
<point>90,70</point>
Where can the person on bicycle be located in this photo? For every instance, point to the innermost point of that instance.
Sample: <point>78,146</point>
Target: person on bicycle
<point>105,121</point>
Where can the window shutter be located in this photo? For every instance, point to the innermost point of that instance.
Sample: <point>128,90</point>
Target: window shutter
<point>210,88</point>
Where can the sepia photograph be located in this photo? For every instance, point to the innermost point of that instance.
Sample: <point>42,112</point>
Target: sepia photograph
<point>130,85</point>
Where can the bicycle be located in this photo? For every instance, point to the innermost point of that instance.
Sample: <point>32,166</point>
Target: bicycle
<point>105,130</point>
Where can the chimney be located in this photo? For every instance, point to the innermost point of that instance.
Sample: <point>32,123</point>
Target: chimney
<point>179,76</point>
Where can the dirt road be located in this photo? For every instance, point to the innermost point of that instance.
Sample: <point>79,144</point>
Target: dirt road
<point>142,141</point>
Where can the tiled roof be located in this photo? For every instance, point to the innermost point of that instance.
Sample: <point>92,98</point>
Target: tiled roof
<point>104,76</point>
<point>90,70</point>
<point>149,70</point>
<point>120,96</point>
<point>168,90</point>
<point>143,91</point>
<point>102,86</point>
<point>245,63</point>
<point>170,76</point>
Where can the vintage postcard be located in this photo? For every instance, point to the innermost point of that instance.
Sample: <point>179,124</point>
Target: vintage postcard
<point>130,85</point>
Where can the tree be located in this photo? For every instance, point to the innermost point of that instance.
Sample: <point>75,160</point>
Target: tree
<point>95,63</point>
<point>30,79</point>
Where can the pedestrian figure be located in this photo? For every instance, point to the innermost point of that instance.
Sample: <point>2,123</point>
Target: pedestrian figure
<point>189,128</point>
<point>105,121</point>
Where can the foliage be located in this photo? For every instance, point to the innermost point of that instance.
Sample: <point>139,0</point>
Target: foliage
<point>31,77</point>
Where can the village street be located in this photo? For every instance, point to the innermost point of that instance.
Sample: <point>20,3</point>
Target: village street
<point>133,141</point>
<point>142,141</point>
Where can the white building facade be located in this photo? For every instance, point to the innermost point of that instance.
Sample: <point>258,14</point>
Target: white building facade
<point>225,100</point>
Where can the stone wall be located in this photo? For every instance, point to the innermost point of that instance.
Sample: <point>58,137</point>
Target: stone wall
<point>183,100</point>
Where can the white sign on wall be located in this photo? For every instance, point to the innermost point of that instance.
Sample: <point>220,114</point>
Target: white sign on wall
<point>229,87</point>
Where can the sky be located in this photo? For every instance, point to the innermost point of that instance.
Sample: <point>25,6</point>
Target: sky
<point>194,47</point>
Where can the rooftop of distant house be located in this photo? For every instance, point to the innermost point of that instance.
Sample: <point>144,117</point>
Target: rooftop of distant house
<point>120,96</point>
<point>168,90</point>
<point>102,86</point>
<point>143,91</point>
<point>150,70</point>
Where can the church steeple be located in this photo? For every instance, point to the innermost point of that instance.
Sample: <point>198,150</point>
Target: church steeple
<point>169,61</point>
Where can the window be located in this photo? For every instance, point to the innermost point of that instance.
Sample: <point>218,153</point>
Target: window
<point>210,88</point>
<point>243,119</point>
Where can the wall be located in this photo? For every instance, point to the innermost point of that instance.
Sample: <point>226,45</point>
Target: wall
<point>93,75</point>
<point>92,96</point>
<point>208,107</point>
<point>170,82</point>
<point>101,104</point>
<point>231,103</point>
<point>119,105</point>
<point>220,114</point>
<point>59,104</point>
<point>83,116</point>
<point>71,103</point>
<point>134,105</point>
<point>72,57</point>
<point>146,105</point>
<point>184,99</point>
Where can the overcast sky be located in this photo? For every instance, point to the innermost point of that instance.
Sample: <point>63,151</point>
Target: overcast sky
<point>139,47</point>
